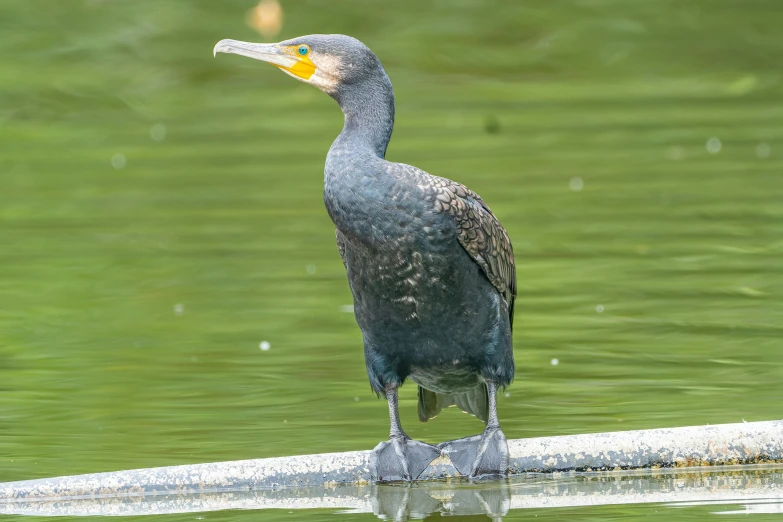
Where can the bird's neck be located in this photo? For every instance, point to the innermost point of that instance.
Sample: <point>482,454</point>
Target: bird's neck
<point>369,114</point>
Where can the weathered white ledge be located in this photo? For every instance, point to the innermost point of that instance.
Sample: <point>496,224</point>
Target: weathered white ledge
<point>752,489</point>
<point>725,444</point>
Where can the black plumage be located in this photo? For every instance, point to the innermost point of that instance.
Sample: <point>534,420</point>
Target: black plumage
<point>430,267</point>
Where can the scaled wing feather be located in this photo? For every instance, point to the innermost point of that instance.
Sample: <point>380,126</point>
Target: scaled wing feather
<point>480,234</point>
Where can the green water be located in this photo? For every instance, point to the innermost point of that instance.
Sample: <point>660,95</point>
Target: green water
<point>133,300</point>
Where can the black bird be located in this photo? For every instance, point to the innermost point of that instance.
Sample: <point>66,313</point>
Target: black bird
<point>430,268</point>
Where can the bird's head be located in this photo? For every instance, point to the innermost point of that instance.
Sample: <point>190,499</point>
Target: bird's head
<point>328,61</point>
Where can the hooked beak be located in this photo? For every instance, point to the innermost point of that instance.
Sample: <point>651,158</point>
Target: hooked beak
<point>285,58</point>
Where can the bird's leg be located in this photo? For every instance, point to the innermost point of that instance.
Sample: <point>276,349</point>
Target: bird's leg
<point>481,455</point>
<point>399,458</point>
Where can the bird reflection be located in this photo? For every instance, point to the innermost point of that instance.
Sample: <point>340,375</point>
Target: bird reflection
<point>400,503</point>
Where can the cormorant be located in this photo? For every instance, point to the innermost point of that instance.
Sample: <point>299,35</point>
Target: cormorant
<point>430,267</point>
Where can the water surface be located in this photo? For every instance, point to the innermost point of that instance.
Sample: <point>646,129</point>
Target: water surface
<point>161,217</point>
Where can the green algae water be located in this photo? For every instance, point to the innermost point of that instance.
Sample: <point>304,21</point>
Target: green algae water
<point>170,290</point>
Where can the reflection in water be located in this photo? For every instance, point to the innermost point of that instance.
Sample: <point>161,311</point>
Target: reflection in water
<point>403,503</point>
<point>757,490</point>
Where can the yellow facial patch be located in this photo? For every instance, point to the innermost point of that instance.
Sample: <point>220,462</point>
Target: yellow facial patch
<point>304,67</point>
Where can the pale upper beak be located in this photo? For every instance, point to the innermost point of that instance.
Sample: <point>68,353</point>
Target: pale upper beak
<point>300,67</point>
<point>266,52</point>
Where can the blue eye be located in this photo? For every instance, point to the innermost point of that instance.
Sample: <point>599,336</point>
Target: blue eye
<point>303,50</point>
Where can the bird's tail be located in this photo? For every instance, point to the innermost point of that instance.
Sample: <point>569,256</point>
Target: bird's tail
<point>475,402</point>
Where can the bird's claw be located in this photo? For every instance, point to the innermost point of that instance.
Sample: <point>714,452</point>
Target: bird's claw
<point>480,455</point>
<point>401,459</point>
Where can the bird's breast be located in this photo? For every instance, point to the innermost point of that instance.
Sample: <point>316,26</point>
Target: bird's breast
<point>386,219</point>
<point>404,262</point>
<point>398,284</point>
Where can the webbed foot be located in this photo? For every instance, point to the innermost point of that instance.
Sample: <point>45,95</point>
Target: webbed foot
<point>401,459</point>
<point>479,455</point>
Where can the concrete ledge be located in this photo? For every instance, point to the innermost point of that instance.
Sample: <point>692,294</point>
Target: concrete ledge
<point>724,444</point>
<point>754,488</point>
